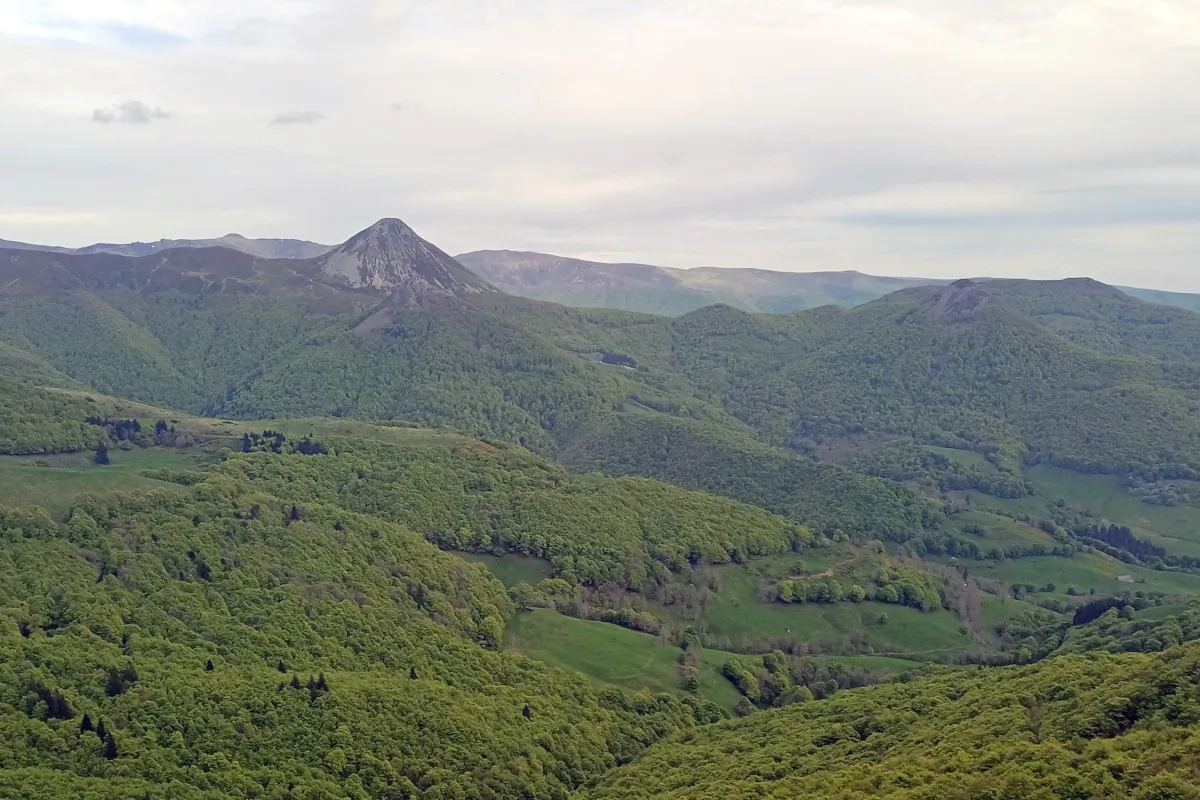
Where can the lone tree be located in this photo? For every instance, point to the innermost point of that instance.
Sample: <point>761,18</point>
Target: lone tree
<point>102,455</point>
<point>110,747</point>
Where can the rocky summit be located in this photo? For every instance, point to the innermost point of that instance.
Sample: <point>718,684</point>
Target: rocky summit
<point>390,256</point>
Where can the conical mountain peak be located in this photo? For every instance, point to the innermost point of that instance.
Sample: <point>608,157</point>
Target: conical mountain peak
<point>962,302</point>
<point>389,256</point>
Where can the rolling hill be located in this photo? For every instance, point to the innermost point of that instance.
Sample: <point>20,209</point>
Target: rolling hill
<point>672,291</point>
<point>664,290</point>
<point>814,519</point>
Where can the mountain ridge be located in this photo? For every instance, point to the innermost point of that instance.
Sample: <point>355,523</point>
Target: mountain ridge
<point>263,248</point>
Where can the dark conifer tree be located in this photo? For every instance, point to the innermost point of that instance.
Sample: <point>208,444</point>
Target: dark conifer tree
<point>110,747</point>
<point>295,681</point>
<point>412,673</point>
<point>115,685</point>
<point>208,666</point>
<point>282,667</point>
<point>101,731</point>
<point>86,726</point>
<point>101,456</point>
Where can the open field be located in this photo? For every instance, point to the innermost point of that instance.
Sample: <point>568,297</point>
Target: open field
<point>1175,528</point>
<point>609,654</point>
<point>56,482</point>
<point>511,568</point>
<point>1087,571</point>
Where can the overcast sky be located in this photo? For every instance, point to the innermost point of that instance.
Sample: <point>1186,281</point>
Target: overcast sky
<point>940,138</point>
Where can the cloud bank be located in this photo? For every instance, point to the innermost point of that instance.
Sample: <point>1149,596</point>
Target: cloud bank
<point>1034,138</point>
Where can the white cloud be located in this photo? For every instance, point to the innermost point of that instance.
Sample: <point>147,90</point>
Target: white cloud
<point>133,112</point>
<point>941,137</point>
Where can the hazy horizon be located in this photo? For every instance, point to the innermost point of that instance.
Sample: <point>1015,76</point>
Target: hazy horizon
<point>903,138</point>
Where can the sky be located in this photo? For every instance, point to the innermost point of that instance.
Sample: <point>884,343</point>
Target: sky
<point>931,138</point>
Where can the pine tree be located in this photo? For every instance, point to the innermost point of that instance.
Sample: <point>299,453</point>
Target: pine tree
<point>282,667</point>
<point>86,726</point>
<point>110,747</point>
<point>295,681</point>
<point>412,673</point>
<point>208,666</point>
<point>246,445</point>
<point>321,684</point>
<point>101,456</point>
<point>101,731</point>
<point>115,684</point>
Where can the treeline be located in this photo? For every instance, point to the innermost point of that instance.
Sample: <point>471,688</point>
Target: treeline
<point>1122,538</point>
<point>948,544</point>
<point>1120,542</point>
<point>775,680</point>
<point>897,584</point>
<point>906,461</point>
<point>275,442</point>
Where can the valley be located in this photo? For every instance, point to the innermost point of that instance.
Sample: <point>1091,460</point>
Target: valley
<point>580,537</point>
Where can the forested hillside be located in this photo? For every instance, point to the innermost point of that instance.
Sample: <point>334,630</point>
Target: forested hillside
<point>234,643</point>
<point>628,531</point>
<point>1073,373</point>
<point>1098,726</point>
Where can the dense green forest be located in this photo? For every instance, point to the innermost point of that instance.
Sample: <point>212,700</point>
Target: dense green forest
<point>700,456</point>
<point>1098,726</point>
<point>271,582</point>
<point>504,499</point>
<point>233,643</point>
<point>1070,373</point>
<point>37,420</point>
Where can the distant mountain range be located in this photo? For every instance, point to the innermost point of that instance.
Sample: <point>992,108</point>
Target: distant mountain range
<point>264,248</point>
<point>386,258</point>
<point>576,282</point>
<point>672,291</point>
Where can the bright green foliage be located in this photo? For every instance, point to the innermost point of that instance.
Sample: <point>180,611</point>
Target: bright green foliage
<point>1098,726</point>
<point>884,581</point>
<point>697,455</point>
<point>36,420</point>
<point>18,365</point>
<point>349,658</point>
<point>1111,632</point>
<point>90,340</point>
<point>485,498</point>
<point>904,461</point>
